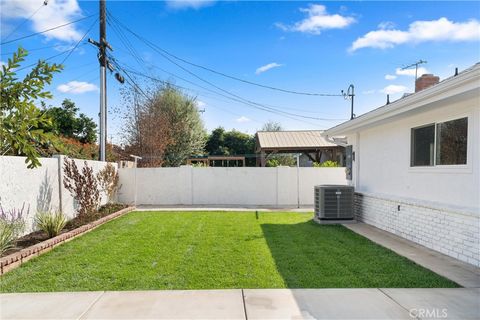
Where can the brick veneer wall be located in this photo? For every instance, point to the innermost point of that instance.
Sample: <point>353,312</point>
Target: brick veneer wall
<point>452,233</point>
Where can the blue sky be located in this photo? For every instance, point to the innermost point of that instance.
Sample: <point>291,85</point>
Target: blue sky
<point>320,47</point>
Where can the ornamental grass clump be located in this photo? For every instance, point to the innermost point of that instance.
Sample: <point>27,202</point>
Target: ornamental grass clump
<point>12,225</point>
<point>50,222</point>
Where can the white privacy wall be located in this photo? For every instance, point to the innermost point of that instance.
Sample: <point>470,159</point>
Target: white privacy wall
<point>40,189</point>
<point>243,186</point>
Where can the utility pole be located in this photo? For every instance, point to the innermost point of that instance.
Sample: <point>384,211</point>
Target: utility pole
<point>350,94</point>
<point>102,46</point>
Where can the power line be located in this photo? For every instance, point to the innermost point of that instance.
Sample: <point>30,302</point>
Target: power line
<point>230,76</point>
<point>78,42</point>
<point>47,59</point>
<point>274,111</point>
<point>263,107</point>
<point>34,49</point>
<point>237,97</point>
<point>47,30</point>
<point>26,19</point>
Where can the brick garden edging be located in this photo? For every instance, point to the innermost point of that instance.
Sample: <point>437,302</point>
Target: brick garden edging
<point>15,259</point>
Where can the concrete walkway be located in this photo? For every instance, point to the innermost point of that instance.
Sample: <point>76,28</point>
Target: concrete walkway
<point>464,274</point>
<point>223,208</point>
<point>246,304</point>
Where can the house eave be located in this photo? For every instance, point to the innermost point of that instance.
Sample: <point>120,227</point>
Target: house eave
<point>464,85</point>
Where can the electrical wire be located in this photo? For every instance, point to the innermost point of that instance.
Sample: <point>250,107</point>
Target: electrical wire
<point>44,3</point>
<point>245,101</point>
<point>78,42</point>
<point>230,76</point>
<point>47,30</point>
<point>49,58</point>
<point>228,97</point>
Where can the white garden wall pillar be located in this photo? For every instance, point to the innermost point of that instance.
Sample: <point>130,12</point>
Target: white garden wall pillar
<point>60,159</point>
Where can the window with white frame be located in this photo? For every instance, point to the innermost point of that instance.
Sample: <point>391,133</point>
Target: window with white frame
<point>443,143</point>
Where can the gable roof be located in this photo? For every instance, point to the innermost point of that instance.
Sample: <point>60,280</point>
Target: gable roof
<point>462,86</point>
<point>304,139</point>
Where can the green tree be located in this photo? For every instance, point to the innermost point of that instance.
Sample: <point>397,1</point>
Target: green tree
<point>165,128</point>
<point>216,142</point>
<point>221,142</point>
<point>66,123</point>
<point>187,130</point>
<point>21,122</point>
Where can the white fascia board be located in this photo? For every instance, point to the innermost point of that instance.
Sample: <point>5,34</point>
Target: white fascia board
<point>464,83</point>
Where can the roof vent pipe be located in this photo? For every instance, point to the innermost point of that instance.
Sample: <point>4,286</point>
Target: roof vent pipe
<point>388,99</point>
<point>456,72</point>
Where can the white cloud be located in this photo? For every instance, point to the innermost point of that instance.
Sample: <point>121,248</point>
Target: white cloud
<point>57,12</point>
<point>268,67</point>
<point>393,89</point>
<point>188,4</point>
<point>390,77</point>
<point>77,87</point>
<point>242,119</point>
<point>318,20</point>
<point>420,31</point>
<point>386,25</point>
<point>368,92</point>
<point>411,72</point>
<point>201,104</point>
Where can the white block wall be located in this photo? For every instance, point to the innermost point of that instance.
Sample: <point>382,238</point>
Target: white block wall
<point>242,186</point>
<point>453,233</point>
<point>40,189</point>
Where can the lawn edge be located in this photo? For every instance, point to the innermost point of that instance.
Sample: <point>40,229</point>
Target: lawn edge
<point>16,259</point>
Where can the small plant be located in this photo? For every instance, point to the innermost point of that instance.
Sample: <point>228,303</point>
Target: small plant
<point>12,225</point>
<point>328,163</point>
<point>50,223</point>
<point>272,163</point>
<point>108,180</point>
<point>84,188</point>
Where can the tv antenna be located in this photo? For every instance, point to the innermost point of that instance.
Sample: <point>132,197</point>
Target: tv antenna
<point>416,64</point>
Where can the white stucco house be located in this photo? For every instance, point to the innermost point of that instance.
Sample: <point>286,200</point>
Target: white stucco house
<point>416,165</point>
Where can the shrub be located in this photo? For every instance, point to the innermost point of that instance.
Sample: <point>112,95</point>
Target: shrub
<point>328,163</point>
<point>84,188</point>
<point>12,225</point>
<point>108,180</point>
<point>50,223</point>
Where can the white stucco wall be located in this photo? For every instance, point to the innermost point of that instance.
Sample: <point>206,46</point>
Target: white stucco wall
<point>225,186</point>
<point>382,164</point>
<point>40,188</point>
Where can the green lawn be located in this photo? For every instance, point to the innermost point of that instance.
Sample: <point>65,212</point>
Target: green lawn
<point>212,250</point>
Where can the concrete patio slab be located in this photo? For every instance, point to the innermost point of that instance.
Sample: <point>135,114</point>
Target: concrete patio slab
<point>464,274</point>
<point>438,303</point>
<point>57,305</point>
<point>321,304</point>
<point>173,304</point>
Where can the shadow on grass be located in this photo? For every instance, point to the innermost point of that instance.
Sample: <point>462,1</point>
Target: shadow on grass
<point>308,255</point>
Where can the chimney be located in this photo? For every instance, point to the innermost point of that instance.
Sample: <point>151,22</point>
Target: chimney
<point>425,81</point>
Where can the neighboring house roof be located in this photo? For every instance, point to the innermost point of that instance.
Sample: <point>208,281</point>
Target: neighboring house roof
<point>465,85</point>
<point>291,140</point>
